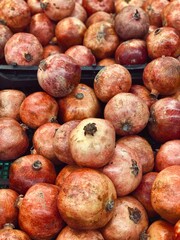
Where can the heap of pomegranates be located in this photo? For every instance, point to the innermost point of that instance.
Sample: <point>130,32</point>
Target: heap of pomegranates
<point>97,160</point>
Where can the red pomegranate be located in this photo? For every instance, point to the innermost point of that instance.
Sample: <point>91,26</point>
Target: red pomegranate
<point>5,34</point>
<point>8,232</point>
<point>96,5</point>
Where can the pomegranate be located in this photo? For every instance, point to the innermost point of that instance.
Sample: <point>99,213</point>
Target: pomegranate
<point>98,17</point>
<point>164,41</point>
<point>111,80</point>
<point>142,92</point>
<point>8,210</point>
<point>43,140</point>
<point>129,220</point>
<point>79,12</point>
<point>5,34</point>
<point>10,101</point>
<point>72,234</point>
<point>154,10</point>
<point>160,230</point>
<point>131,22</point>
<point>106,62</point>
<point>61,142</point>
<point>38,108</point>
<point>143,150</point>
<point>165,194</point>
<point>64,173</point>
<point>23,49</point>
<point>119,4</point>
<point>131,52</point>
<point>27,170</point>
<point>35,6</point>
<point>70,31</point>
<point>124,169</point>
<point>51,49</point>
<point>96,5</point>
<point>81,103</point>
<point>42,27</point>
<point>14,141</point>
<point>82,55</point>
<point>162,76</point>
<point>57,9</point>
<point>15,14</point>
<point>170,15</point>
<point>86,199</point>
<point>167,155</point>
<point>143,193</point>
<point>38,211</point>
<point>8,232</point>
<point>177,230</point>
<point>127,112</point>
<point>102,39</point>
<point>92,142</point>
<point>164,121</point>
<point>58,75</point>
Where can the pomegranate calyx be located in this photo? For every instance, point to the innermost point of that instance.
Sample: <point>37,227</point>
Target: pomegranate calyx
<point>19,201</point>
<point>144,235</point>
<point>126,127</point>
<point>137,15</point>
<point>28,57</point>
<point>157,31</point>
<point>37,165</point>
<point>53,119</point>
<point>90,129</point>
<point>44,5</point>
<point>134,168</point>
<point>134,214</point>
<point>110,205</point>
<point>9,226</point>
<point>79,95</point>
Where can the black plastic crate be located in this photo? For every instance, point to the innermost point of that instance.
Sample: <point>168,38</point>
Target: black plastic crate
<point>4,172</point>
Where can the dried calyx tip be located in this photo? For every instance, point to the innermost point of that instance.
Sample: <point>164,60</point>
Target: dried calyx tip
<point>90,129</point>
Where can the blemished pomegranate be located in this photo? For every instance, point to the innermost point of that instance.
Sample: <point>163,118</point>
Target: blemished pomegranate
<point>160,230</point>
<point>124,169</point>
<point>27,170</point>
<point>58,74</point>
<point>164,121</point>
<point>143,193</point>
<point>131,22</point>
<point>64,173</point>
<point>8,232</point>
<point>170,15</point>
<point>102,39</point>
<point>165,194</point>
<point>70,31</point>
<point>15,14</point>
<point>111,80</point>
<point>61,142</point>
<point>57,9</point>
<point>129,220</point>
<point>96,5</point>
<point>143,150</point>
<point>167,155</point>
<point>128,113</point>
<point>86,199</point>
<point>73,234</point>
<point>79,12</point>
<point>42,140</point>
<point>10,101</point>
<point>42,27</point>
<point>92,142</point>
<point>38,213</point>
<point>161,76</point>
<point>14,141</point>
<point>5,34</point>
<point>8,210</point>
<point>98,17</point>
<point>142,92</point>
<point>82,55</point>
<point>23,49</point>
<point>131,52</point>
<point>164,41</point>
<point>38,108</point>
<point>81,103</point>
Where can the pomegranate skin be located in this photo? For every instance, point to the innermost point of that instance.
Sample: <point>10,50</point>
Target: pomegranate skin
<point>58,75</point>
<point>164,122</point>
<point>162,76</point>
<point>23,49</point>
<point>9,213</point>
<point>38,210</point>
<point>96,5</point>
<point>8,232</point>
<point>24,172</point>
<point>14,141</point>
